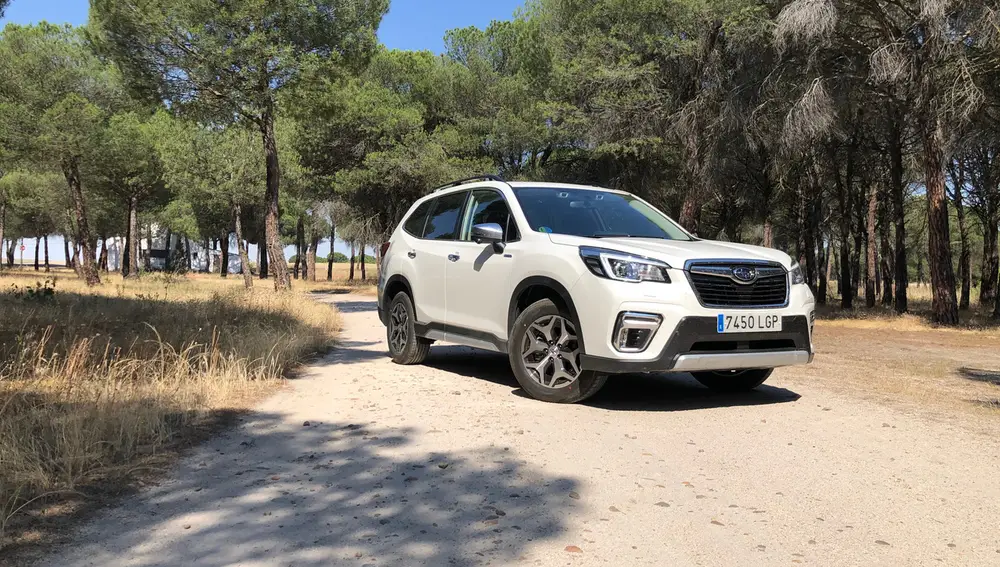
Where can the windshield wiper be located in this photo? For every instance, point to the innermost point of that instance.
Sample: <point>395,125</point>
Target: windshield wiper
<point>611,235</point>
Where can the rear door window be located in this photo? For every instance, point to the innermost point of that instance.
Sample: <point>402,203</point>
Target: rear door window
<point>415,224</point>
<point>442,224</point>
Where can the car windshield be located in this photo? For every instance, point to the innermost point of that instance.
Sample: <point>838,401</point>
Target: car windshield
<point>594,214</point>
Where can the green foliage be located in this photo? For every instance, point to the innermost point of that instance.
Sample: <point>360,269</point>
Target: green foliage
<point>218,62</point>
<point>40,292</point>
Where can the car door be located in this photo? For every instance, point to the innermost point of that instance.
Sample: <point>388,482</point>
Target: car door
<point>428,256</point>
<point>479,278</point>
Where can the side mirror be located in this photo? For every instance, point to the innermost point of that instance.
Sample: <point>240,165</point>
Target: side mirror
<point>491,233</point>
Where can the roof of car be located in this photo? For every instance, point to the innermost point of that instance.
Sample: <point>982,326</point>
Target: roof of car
<point>546,185</point>
<point>523,185</point>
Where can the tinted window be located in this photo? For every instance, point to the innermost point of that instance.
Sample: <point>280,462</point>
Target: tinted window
<point>581,212</point>
<point>415,224</point>
<point>442,224</point>
<point>489,206</point>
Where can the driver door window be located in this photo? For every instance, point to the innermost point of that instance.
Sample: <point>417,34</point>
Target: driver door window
<point>487,206</point>
<point>479,280</point>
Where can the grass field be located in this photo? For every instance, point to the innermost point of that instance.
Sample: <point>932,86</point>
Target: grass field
<point>100,387</point>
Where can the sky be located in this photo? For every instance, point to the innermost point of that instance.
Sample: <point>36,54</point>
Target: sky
<point>410,24</point>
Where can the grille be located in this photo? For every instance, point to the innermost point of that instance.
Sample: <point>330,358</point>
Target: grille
<point>716,287</point>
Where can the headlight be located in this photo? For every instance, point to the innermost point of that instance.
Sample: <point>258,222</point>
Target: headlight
<point>624,267</point>
<point>798,278</point>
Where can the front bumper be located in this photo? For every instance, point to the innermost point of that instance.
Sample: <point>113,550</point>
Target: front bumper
<point>696,345</point>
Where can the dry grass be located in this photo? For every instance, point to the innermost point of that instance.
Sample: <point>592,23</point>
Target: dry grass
<point>98,386</point>
<point>943,373</point>
<point>908,360</point>
<point>340,283</point>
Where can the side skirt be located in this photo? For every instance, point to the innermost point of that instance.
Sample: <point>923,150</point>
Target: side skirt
<point>461,335</point>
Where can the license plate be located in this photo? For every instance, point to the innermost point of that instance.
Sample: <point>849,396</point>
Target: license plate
<point>755,323</point>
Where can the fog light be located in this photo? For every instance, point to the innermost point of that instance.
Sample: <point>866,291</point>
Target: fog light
<point>634,331</point>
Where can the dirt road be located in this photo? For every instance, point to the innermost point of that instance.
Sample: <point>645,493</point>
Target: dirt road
<point>364,463</point>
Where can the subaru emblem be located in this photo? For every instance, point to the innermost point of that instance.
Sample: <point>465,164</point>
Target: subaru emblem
<point>745,275</point>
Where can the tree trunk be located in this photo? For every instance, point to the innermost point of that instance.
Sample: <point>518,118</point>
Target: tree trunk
<point>896,194</point>
<point>3,226</point>
<point>147,260</point>
<point>71,170</point>
<point>271,230</point>
<point>991,263</point>
<point>691,212</point>
<point>72,257</point>
<point>885,254</point>
<point>224,248</point>
<point>263,268</point>
<point>126,259</point>
<point>823,272</point>
<point>364,276</point>
<point>965,254</point>
<point>300,240</point>
<point>102,256</point>
<point>872,252</point>
<point>350,278</point>
<point>38,249</point>
<point>131,266</point>
<point>45,240</point>
<point>845,283</point>
<point>314,241</point>
<point>804,229</point>
<point>333,241</point>
<point>768,233</point>
<point>10,253</point>
<point>944,305</point>
<point>168,264</point>
<point>187,252</point>
<point>241,247</point>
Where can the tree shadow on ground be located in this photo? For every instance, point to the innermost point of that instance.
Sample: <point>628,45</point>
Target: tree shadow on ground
<point>980,375</point>
<point>314,494</point>
<point>627,392</point>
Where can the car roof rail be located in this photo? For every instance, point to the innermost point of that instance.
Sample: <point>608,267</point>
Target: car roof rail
<point>483,177</point>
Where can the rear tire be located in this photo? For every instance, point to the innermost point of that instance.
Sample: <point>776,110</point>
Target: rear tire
<point>733,380</point>
<point>545,337</point>
<point>405,347</point>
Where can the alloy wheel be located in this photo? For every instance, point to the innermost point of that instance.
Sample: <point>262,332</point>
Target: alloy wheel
<point>398,332</point>
<point>551,352</point>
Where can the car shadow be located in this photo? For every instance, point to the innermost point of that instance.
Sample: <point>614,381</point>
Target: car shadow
<point>626,392</point>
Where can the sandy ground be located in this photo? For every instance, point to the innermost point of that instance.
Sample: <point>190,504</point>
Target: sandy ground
<point>361,462</point>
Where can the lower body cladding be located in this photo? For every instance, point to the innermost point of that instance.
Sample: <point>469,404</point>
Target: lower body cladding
<point>697,345</point>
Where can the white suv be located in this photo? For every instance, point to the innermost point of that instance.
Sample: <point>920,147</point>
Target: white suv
<point>575,283</point>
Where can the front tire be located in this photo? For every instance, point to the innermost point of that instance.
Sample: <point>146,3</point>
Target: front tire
<point>405,347</point>
<point>544,353</point>
<point>733,380</point>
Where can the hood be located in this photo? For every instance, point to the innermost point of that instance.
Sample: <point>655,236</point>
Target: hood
<point>677,252</point>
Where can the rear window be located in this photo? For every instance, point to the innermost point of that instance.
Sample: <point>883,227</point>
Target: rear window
<point>415,224</point>
<point>442,224</point>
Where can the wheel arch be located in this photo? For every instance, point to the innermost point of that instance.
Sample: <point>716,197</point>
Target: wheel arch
<point>536,288</point>
<point>393,286</point>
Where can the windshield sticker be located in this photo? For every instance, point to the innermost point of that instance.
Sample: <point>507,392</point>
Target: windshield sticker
<point>545,229</point>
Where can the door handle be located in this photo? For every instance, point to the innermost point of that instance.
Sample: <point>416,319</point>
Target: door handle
<point>454,257</point>
<point>411,254</point>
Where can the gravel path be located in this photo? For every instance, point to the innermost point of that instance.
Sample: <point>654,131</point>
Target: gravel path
<point>361,462</point>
